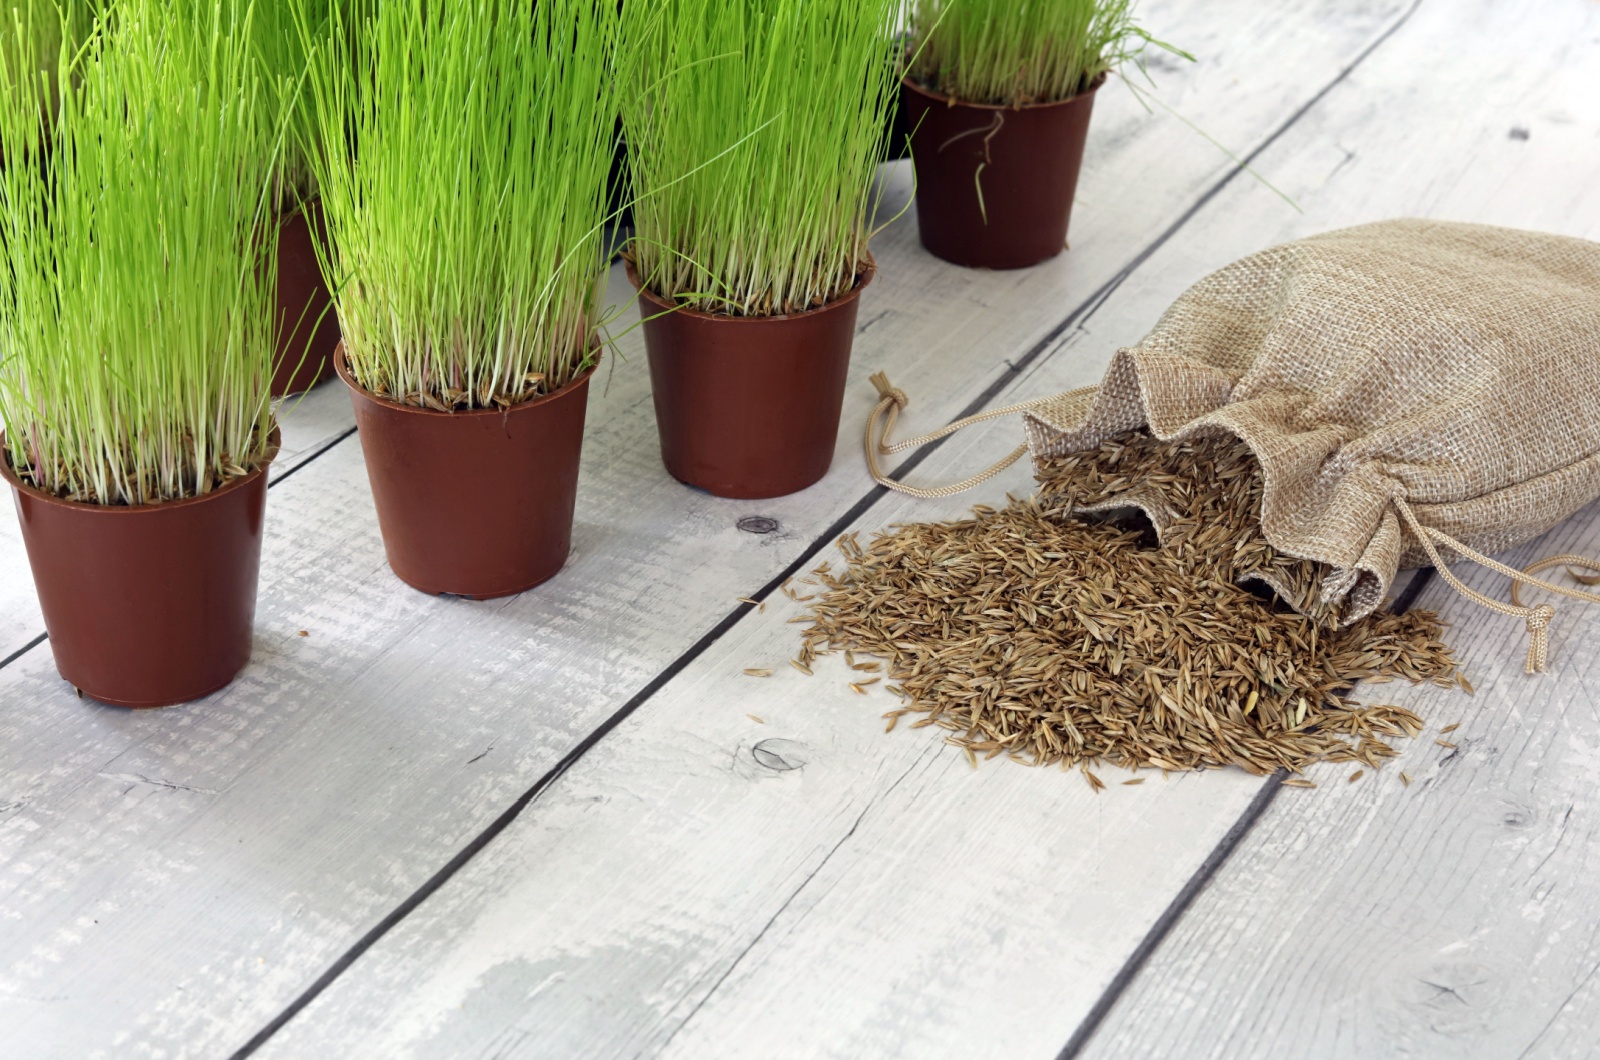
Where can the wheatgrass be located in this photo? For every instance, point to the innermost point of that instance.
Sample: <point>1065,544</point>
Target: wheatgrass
<point>463,178</point>
<point>754,131</point>
<point>1016,52</point>
<point>136,335</point>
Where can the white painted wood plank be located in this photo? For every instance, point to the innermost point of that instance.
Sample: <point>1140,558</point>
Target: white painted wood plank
<point>670,895</point>
<point>170,880</point>
<point>1457,917</point>
<point>1453,918</point>
<point>313,421</point>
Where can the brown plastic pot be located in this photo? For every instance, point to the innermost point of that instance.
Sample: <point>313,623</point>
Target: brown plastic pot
<point>473,503</point>
<point>147,605</point>
<point>305,308</point>
<point>1026,160</point>
<point>749,407</point>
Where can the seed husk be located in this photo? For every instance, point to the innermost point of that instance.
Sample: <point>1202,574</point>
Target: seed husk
<point>1049,635</point>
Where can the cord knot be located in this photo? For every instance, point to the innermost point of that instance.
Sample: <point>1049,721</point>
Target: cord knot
<point>887,391</point>
<point>1539,637</point>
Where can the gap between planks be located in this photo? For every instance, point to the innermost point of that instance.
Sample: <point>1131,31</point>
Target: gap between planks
<point>325,447</point>
<point>1013,371</point>
<point>1202,877</point>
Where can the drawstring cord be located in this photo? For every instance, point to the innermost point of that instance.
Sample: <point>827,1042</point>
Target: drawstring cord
<point>891,400</point>
<point>1537,618</point>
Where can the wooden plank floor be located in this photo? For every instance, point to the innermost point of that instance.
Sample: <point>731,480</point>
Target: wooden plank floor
<point>547,826</point>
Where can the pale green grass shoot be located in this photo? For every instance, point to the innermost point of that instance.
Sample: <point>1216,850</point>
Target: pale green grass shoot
<point>136,335</point>
<point>754,131</point>
<point>463,180</point>
<point>1015,52</point>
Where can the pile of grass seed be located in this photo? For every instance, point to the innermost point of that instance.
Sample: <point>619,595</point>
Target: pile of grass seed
<point>1051,637</point>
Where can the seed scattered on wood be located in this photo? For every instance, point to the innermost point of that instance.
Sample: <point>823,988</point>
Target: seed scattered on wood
<point>1452,727</point>
<point>1466,686</point>
<point>1094,782</point>
<point>1298,783</point>
<point>757,720</point>
<point>1405,778</point>
<point>756,671</point>
<point>1048,635</point>
<point>1135,780</point>
<point>1445,743</point>
<point>802,667</point>
<point>1357,775</point>
<point>305,633</point>
<point>857,689</point>
<point>747,600</point>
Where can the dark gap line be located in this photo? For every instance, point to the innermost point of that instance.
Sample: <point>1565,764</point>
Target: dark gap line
<point>1013,371</point>
<point>321,449</point>
<point>271,482</point>
<point>1171,915</point>
<point>1202,877</point>
<point>25,649</point>
<point>1241,828</point>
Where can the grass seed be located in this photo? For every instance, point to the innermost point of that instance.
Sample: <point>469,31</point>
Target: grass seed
<point>1052,636</point>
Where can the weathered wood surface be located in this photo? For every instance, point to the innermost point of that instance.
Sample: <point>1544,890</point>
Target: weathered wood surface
<point>701,884</point>
<point>170,881</point>
<point>1456,917</point>
<point>1451,918</point>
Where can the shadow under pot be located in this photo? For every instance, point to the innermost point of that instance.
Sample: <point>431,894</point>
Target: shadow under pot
<point>748,407</point>
<point>995,184</point>
<point>478,502</point>
<point>147,605</point>
<point>308,327</point>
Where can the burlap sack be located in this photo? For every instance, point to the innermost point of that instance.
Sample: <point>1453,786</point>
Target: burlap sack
<point>1408,386</point>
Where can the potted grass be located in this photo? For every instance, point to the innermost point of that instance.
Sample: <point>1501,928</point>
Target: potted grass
<point>754,129</point>
<point>463,179</point>
<point>308,328</point>
<point>997,96</point>
<point>135,310</point>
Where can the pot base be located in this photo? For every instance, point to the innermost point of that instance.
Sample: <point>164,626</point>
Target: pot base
<point>153,605</point>
<point>748,407</point>
<point>476,503</point>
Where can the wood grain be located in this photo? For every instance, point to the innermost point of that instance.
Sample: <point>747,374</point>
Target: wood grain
<point>1456,917</point>
<point>936,912</point>
<point>171,880</point>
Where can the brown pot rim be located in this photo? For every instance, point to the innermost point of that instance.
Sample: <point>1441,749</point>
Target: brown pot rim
<point>868,273</point>
<point>952,101</point>
<point>571,384</point>
<point>274,443</point>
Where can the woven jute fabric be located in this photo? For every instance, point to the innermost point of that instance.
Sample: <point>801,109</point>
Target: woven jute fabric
<point>1397,381</point>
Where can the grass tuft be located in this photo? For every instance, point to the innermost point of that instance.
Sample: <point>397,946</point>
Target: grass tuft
<point>754,130</point>
<point>136,335</point>
<point>1017,52</point>
<point>463,182</point>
